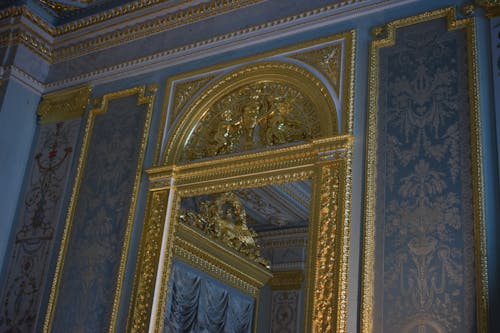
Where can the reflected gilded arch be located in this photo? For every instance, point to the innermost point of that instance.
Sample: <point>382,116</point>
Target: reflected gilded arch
<point>258,105</point>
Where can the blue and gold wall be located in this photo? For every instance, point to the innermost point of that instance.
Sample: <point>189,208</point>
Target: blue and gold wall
<point>422,253</point>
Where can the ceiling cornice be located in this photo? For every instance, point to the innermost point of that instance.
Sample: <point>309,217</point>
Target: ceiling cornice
<point>21,32</point>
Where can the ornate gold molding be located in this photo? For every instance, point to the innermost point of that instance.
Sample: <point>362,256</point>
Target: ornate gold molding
<point>387,37</point>
<point>148,258</point>
<point>63,105</point>
<point>491,7</point>
<point>145,96</point>
<point>272,71</point>
<point>234,172</point>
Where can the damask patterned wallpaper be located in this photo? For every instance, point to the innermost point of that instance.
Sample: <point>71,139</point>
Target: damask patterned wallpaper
<point>39,214</point>
<point>424,184</point>
<point>89,276</point>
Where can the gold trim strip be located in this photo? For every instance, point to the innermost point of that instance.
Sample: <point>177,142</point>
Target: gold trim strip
<point>368,255</point>
<point>141,100</point>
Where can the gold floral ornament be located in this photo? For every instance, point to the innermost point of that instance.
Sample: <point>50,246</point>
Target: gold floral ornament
<point>255,116</point>
<point>224,220</point>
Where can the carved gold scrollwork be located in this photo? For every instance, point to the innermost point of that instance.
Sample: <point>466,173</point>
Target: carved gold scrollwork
<point>325,310</point>
<point>224,219</point>
<point>257,115</point>
<point>148,258</point>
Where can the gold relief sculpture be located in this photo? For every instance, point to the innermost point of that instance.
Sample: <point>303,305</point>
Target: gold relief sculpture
<point>420,248</point>
<point>63,105</point>
<point>325,302</point>
<point>257,115</point>
<point>224,220</point>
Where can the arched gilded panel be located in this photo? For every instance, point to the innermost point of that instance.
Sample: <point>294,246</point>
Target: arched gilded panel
<point>256,106</point>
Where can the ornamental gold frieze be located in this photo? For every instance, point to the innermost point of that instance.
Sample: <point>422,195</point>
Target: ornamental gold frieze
<point>291,158</point>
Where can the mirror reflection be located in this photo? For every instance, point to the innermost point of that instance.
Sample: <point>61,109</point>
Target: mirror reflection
<point>265,227</point>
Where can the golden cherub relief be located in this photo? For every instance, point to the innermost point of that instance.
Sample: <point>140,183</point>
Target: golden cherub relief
<point>255,116</point>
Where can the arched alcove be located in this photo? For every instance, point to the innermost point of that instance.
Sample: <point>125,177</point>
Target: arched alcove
<point>253,107</point>
<point>266,134</point>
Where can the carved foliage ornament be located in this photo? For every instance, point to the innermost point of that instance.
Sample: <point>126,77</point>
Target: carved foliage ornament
<point>255,116</point>
<point>224,219</point>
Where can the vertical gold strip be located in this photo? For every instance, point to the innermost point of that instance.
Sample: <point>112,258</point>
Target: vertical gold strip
<point>368,256</point>
<point>481,262</point>
<point>328,253</point>
<point>147,262</point>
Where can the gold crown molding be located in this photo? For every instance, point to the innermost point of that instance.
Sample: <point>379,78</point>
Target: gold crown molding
<point>63,105</point>
<point>145,96</point>
<point>118,36</point>
<point>28,38</point>
<point>148,28</point>
<point>287,280</point>
<point>368,255</point>
<point>226,264</point>
<point>58,7</point>
<point>51,52</point>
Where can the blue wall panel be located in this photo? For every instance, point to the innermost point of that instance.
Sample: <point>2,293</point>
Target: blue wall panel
<point>89,277</point>
<point>425,277</point>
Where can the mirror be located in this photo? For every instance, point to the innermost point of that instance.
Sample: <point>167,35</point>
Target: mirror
<point>266,229</point>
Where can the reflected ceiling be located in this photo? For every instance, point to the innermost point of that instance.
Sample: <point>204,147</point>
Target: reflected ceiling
<point>270,207</point>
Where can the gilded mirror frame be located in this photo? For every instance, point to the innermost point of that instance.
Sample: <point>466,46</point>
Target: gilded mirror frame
<point>325,161</point>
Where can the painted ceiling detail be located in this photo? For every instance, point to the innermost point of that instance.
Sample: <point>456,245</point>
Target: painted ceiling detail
<point>268,208</point>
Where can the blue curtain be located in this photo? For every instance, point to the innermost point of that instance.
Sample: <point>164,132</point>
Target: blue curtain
<point>198,303</point>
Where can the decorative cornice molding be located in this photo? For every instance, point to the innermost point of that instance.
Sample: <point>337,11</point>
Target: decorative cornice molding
<point>83,37</point>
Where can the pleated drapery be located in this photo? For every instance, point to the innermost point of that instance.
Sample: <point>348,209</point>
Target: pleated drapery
<point>198,303</point>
